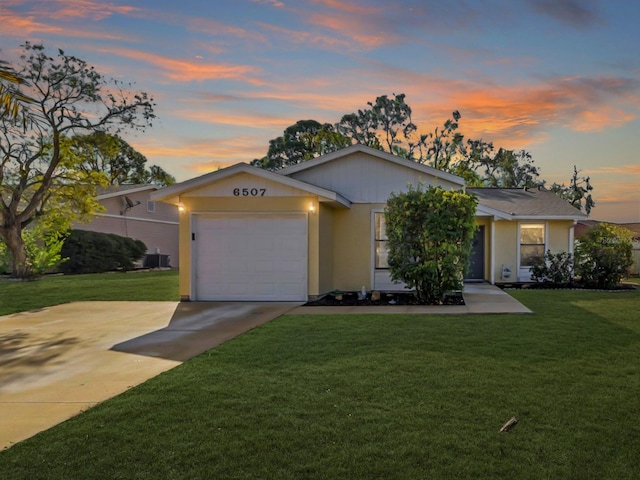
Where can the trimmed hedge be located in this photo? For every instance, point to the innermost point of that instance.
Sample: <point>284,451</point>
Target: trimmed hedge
<point>95,252</point>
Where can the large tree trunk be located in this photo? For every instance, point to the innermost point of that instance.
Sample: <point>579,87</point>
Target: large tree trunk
<point>15,244</point>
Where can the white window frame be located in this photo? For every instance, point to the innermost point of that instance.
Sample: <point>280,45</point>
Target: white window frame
<point>380,277</point>
<point>524,271</point>
<point>376,240</point>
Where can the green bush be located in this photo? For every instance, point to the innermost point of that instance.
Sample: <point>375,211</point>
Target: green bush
<point>94,252</point>
<point>554,268</point>
<point>604,255</point>
<point>429,237</point>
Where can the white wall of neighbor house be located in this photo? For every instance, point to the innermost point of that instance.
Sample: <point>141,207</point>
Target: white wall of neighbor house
<point>635,268</point>
<point>155,224</point>
<point>158,237</point>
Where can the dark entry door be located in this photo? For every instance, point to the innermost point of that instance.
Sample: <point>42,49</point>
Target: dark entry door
<point>476,266</point>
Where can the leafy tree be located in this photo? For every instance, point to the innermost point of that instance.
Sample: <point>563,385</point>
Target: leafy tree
<point>505,168</point>
<point>443,145</point>
<point>304,140</point>
<point>392,116</point>
<point>577,193</point>
<point>37,180</point>
<point>121,163</point>
<point>430,233</point>
<point>604,255</point>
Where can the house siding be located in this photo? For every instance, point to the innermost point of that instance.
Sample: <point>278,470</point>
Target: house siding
<point>559,236</point>
<point>326,249</point>
<point>362,178</point>
<point>252,185</point>
<point>352,267</point>
<point>506,249</point>
<point>157,230</point>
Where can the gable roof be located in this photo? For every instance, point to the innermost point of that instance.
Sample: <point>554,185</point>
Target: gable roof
<point>359,148</point>
<point>171,194</point>
<point>524,204</point>
<point>119,190</point>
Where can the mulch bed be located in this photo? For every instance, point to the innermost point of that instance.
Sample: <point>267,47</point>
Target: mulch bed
<point>342,299</point>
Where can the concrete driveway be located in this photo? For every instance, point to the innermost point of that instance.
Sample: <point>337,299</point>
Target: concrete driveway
<point>59,361</point>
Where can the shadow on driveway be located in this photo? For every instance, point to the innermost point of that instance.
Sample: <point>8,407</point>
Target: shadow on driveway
<point>196,327</point>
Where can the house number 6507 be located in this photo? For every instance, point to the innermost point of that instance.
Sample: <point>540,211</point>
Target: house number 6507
<point>249,192</point>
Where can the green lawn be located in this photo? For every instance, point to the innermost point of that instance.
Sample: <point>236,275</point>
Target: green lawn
<point>375,396</point>
<point>54,290</point>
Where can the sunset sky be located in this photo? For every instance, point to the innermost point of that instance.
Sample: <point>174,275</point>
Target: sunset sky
<point>559,78</point>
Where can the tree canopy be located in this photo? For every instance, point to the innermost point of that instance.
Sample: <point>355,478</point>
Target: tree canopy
<point>38,181</point>
<point>386,124</point>
<point>119,161</point>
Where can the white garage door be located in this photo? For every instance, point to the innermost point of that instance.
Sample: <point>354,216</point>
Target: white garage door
<point>261,257</point>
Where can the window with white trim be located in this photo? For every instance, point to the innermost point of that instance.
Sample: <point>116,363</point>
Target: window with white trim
<point>151,206</point>
<point>381,241</point>
<point>532,246</point>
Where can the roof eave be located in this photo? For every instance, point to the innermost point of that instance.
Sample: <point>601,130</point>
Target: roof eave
<point>172,194</point>
<point>129,191</point>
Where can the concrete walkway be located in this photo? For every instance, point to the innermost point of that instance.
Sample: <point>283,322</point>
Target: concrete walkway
<point>478,297</point>
<point>59,361</point>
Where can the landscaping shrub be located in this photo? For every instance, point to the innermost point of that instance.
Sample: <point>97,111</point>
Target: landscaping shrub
<point>43,250</point>
<point>429,237</point>
<point>554,268</point>
<point>604,255</point>
<point>94,252</point>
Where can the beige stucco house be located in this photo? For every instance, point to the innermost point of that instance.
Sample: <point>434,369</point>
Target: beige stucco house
<point>316,227</point>
<point>130,212</point>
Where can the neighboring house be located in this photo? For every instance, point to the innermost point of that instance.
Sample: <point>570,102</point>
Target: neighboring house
<point>584,225</point>
<point>129,212</point>
<point>316,227</point>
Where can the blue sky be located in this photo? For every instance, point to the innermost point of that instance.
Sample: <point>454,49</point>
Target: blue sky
<point>559,78</point>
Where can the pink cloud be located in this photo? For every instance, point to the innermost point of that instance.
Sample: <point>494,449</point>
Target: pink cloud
<point>273,3</point>
<point>190,70</point>
<point>65,9</point>
<point>276,123</point>
<point>28,26</point>
<point>306,37</point>
<point>629,169</point>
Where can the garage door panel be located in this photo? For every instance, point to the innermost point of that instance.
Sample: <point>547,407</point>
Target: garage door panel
<point>250,257</point>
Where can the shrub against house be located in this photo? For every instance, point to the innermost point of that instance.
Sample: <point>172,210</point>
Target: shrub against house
<point>603,256</point>
<point>96,252</point>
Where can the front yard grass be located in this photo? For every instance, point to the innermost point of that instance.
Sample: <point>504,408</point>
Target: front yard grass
<point>378,396</point>
<point>51,290</point>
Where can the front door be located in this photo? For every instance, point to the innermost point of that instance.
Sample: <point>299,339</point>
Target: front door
<point>476,265</point>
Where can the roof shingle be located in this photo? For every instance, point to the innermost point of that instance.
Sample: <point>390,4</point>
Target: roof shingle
<point>529,202</point>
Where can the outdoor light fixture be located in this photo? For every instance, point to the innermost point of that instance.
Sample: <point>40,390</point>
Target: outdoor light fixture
<point>181,207</point>
<point>312,208</point>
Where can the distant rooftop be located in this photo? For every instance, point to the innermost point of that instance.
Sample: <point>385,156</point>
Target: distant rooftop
<point>115,190</point>
<point>521,202</point>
